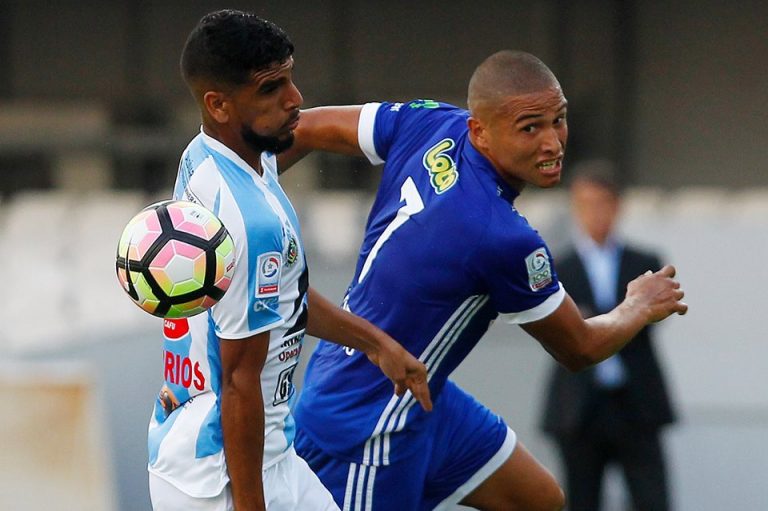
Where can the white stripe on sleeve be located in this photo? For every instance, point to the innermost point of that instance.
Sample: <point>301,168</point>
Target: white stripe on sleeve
<point>541,311</point>
<point>365,132</point>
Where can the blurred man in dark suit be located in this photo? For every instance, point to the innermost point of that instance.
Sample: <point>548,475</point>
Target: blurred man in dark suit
<point>612,412</point>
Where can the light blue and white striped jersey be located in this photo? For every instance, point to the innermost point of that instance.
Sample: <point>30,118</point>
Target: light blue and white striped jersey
<point>267,293</point>
<point>445,252</point>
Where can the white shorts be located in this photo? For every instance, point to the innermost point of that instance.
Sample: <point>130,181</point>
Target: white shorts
<point>289,484</point>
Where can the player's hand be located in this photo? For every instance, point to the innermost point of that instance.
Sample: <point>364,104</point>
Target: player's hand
<point>405,371</point>
<point>657,293</point>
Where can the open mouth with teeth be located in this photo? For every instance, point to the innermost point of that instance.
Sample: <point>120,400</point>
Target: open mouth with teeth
<point>549,165</point>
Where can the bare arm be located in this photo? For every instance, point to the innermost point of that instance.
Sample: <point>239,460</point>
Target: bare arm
<point>242,418</point>
<point>577,343</point>
<point>326,128</point>
<point>330,322</point>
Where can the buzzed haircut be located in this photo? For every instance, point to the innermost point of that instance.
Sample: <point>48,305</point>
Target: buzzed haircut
<point>508,73</point>
<point>227,46</point>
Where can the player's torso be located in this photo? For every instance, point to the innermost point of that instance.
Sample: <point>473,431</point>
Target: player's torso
<point>269,286</point>
<point>415,279</point>
<point>445,252</point>
<point>416,267</point>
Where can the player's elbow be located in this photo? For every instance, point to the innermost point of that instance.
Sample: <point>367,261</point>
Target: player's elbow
<point>579,358</point>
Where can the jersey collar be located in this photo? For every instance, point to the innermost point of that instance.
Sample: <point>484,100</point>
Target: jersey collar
<point>228,153</point>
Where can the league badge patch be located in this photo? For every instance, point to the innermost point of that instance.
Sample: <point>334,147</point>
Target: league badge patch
<point>539,269</point>
<point>293,251</point>
<point>268,277</point>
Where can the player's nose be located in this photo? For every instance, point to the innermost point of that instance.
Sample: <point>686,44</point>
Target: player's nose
<point>293,98</point>
<point>550,142</point>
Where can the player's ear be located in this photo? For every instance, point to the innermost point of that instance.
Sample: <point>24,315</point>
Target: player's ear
<point>477,133</point>
<point>216,104</point>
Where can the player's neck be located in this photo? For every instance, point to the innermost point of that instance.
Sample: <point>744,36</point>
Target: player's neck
<point>252,158</point>
<point>238,146</point>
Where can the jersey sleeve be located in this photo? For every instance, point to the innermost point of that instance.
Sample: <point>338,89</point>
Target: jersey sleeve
<point>520,277</point>
<point>365,135</point>
<point>382,126</point>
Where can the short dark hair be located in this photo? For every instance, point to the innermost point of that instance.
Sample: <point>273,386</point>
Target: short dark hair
<point>598,171</point>
<point>226,46</point>
<point>506,73</point>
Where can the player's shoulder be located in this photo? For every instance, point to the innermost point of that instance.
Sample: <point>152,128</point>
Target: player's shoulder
<point>423,111</point>
<point>421,107</point>
<point>197,176</point>
<point>509,231</point>
<point>509,221</point>
<point>196,152</point>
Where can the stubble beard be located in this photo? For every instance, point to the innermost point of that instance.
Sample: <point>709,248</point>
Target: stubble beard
<point>260,143</point>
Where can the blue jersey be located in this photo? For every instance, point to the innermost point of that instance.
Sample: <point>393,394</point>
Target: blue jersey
<point>445,252</point>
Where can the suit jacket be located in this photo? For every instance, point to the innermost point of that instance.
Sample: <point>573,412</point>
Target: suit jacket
<point>570,395</point>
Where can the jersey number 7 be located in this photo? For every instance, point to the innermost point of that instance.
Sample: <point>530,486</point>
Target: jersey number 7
<point>413,204</point>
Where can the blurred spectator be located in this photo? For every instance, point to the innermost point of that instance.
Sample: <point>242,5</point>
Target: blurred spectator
<point>612,412</point>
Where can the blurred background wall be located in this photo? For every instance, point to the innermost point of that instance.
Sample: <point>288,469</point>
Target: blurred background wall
<point>93,117</point>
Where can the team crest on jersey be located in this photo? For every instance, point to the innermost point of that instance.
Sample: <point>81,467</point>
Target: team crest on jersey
<point>441,167</point>
<point>268,274</point>
<point>539,269</point>
<point>292,254</point>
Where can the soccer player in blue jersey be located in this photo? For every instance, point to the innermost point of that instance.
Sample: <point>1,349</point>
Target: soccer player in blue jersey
<point>445,252</point>
<point>221,435</point>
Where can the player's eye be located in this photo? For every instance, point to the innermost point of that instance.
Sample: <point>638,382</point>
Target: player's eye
<point>268,88</point>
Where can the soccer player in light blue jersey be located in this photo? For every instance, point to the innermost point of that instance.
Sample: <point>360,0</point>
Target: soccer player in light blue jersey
<point>446,252</point>
<point>221,435</point>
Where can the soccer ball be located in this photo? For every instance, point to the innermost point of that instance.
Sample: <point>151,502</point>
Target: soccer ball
<point>175,259</point>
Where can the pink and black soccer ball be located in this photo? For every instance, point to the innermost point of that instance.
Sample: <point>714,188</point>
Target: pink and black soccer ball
<point>175,259</point>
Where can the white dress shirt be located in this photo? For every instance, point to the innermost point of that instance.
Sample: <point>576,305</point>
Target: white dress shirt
<point>601,263</point>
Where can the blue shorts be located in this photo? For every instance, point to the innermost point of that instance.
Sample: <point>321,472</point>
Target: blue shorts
<point>466,444</point>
